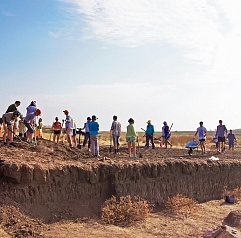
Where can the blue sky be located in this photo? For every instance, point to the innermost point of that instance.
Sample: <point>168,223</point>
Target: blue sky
<point>172,60</point>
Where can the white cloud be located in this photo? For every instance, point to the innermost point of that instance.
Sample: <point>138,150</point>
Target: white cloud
<point>194,26</point>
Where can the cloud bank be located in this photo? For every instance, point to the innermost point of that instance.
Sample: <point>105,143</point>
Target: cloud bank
<point>195,26</point>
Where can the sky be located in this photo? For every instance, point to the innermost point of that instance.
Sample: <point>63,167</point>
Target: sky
<point>160,60</point>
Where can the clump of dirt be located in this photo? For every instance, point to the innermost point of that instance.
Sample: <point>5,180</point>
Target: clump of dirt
<point>16,224</point>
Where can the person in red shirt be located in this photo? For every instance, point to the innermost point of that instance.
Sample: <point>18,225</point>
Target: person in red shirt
<point>57,127</point>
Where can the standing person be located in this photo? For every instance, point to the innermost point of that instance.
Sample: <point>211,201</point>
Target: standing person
<point>231,139</point>
<point>39,129</point>
<point>166,134</point>
<point>115,130</point>
<point>13,107</point>
<point>131,136</point>
<point>56,127</point>
<point>29,123</point>
<point>149,133</point>
<point>87,133</point>
<point>94,131</point>
<point>220,134</point>
<point>201,131</point>
<point>69,126</point>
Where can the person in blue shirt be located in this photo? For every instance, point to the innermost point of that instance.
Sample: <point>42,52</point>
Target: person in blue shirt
<point>231,139</point>
<point>149,133</point>
<point>94,131</point>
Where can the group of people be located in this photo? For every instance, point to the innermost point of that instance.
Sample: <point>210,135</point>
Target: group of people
<point>91,127</point>
<point>219,137</point>
<point>12,121</point>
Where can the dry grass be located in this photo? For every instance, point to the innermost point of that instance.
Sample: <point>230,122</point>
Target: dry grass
<point>125,211</point>
<point>180,204</point>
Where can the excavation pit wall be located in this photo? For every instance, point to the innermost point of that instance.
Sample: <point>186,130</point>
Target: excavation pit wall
<point>85,188</point>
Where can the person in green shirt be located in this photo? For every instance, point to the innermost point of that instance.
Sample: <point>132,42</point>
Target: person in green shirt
<point>131,138</point>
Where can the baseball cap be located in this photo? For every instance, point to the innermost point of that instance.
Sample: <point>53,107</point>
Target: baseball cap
<point>66,111</point>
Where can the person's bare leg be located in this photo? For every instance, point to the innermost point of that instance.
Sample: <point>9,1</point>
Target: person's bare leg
<point>129,148</point>
<point>134,148</point>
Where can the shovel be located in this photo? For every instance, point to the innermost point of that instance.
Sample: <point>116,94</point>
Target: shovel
<point>138,148</point>
<point>79,145</point>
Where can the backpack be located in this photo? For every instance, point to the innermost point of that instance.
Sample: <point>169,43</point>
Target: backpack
<point>229,199</point>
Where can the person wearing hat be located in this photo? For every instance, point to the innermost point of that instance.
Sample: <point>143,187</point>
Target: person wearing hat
<point>29,122</point>
<point>32,107</point>
<point>87,132</point>
<point>94,131</point>
<point>201,131</point>
<point>149,133</point>
<point>115,133</point>
<point>69,126</point>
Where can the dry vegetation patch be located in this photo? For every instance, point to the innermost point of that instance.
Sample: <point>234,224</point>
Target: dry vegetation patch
<point>180,204</point>
<point>125,211</point>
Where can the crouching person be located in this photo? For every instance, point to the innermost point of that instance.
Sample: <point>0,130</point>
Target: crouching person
<point>29,123</point>
<point>8,124</point>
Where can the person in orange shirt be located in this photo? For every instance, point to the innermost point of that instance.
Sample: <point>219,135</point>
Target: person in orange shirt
<point>57,127</point>
<point>39,129</point>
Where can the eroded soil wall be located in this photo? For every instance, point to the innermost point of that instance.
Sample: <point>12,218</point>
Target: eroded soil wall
<point>154,181</point>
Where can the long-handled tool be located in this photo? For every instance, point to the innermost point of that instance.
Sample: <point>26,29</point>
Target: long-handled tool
<point>110,142</point>
<point>167,137</point>
<point>79,145</point>
<point>138,148</point>
<point>17,136</point>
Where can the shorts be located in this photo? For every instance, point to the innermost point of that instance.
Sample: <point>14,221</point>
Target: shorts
<point>202,139</point>
<point>58,132</point>
<point>74,132</point>
<point>69,132</point>
<point>131,139</point>
<point>221,139</point>
<point>231,144</point>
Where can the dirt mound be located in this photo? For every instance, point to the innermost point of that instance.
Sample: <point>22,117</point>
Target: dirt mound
<point>16,224</point>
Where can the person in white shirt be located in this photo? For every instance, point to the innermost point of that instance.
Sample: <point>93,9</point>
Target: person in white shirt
<point>201,131</point>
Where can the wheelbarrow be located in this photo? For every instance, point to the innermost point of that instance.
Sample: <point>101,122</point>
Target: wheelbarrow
<point>191,145</point>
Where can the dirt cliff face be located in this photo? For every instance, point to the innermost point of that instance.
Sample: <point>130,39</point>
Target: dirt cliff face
<point>51,179</point>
